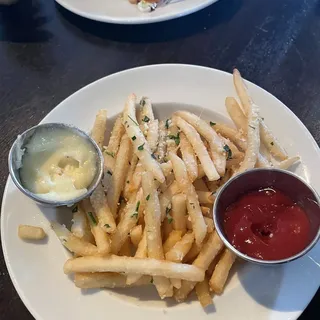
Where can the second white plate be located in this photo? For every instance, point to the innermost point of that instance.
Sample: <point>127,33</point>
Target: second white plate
<point>123,12</point>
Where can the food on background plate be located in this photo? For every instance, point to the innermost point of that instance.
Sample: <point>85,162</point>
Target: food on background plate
<point>26,232</point>
<point>149,220</point>
<point>57,164</point>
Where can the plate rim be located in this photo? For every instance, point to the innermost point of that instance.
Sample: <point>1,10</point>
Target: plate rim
<point>20,292</point>
<point>134,20</point>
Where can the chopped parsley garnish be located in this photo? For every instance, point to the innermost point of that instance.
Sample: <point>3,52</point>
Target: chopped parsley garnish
<point>111,154</point>
<point>107,225</point>
<point>93,219</point>
<point>151,281</point>
<point>167,123</point>
<point>272,143</point>
<point>135,122</point>
<point>146,119</point>
<point>142,102</point>
<point>252,127</point>
<point>175,138</point>
<point>134,138</point>
<point>109,172</point>
<point>148,197</point>
<point>212,123</point>
<point>75,209</point>
<point>168,209</point>
<point>137,206</point>
<point>228,151</point>
<point>170,219</point>
<point>128,181</point>
<point>135,215</point>
<point>140,148</point>
<point>121,199</point>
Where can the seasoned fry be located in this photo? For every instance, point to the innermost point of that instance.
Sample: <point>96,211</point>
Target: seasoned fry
<point>140,145</point>
<point>165,198</point>
<point>199,148</point>
<point>236,114</point>
<point>152,137</point>
<point>166,227</point>
<point>73,243</point>
<point>173,238</point>
<point>232,134</point>
<point>180,171</point>
<point>198,224</point>
<point>135,183</point>
<point>126,248</point>
<point>253,140</point>
<point>99,128</point>
<point>101,238</point>
<point>119,174</point>
<point>129,265</point>
<point>208,132</point>
<point>106,280</point>
<point>210,224</point>
<point>129,220</point>
<point>203,293</point>
<point>200,185</point>
<point>127,191</point>
<point>166,168</point>
<point>178,212</point>
<point>162,146</point>
<point>136,235</point>
<point>181,248</point>
<point>100,206</point>
<point>205,197</point>
<point>146,112</point>
<point>26,232</point>
<point>206,211</point>
<point>173,138</point>
<point>285,164</point>
<point>142,252</point>
<point>80,227</point>
<point>188,157</point>
<point>221,271</point>
<point>111,150</point>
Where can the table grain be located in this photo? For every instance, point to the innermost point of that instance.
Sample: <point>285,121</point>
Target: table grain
<point>47,53</point>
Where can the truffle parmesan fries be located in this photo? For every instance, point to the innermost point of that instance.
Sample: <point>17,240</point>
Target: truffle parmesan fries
<point>150,222</point>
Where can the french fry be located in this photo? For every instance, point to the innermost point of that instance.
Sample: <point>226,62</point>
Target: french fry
<point>100,206</point>
<point>232,134</point>
<point>101,238</point>
<point>80,227</point>
<point>166,168</point>
<point>99,127</point>
<point>111,150</point>
<point>253,140</point>
<point>173,139</point>
<point>208,132</point>
<point>132,265</point>
<point>166,227</point>
<point>180,171</point>
<point>153,225</point>
<point>200,185</point>
<point>198,224</point>
<point>126,249</point>
<point>188,157</point>
<point>106,280</point>
<point>267,138</point>
<point>221,271</point>
<point>206,211</point>
<point>119,174</point>
<point>26,232</point>
<point>140,145</point>
<point>181,248</point>
<point>210,224</point>
<point>208,252</point>
<point>285,164</point>
<point>178,212</point>
<point>121,210</point>
<point>127,191</point>
<point>152,137</point>
<point>142,252</point>
<point>162,146</point>
<point>129,220</point>
<point>235,152</point>
<point>135,183</point>
<point>146,111</point>
<point>198,146</point>
<point>73,243</point>
<point>203,293</point>
<point>165,198</point>
<point>136,235</point>
<point>262,162</point>
<point>205,197</point>
<point>173,238</point>
<point>236,114</point>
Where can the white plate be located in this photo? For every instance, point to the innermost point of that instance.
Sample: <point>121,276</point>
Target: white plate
<point>123,12</point>
<point>253,293</point>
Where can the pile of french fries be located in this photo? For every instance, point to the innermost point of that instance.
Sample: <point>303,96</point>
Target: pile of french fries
<point>150,220</point>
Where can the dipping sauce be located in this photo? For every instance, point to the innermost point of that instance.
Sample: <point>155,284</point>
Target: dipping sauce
<point>57,164</point>
<point>267,225</point>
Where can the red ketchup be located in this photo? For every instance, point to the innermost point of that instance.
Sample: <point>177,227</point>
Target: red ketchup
<point>267,225</point>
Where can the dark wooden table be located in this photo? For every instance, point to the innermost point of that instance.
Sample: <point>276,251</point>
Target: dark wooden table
<point>47,53</point>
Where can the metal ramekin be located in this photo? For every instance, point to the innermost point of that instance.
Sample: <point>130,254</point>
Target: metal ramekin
<point>285,181</point>
<point>14,161</point>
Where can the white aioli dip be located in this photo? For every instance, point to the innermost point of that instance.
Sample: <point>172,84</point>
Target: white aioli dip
<point>57,164</point>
